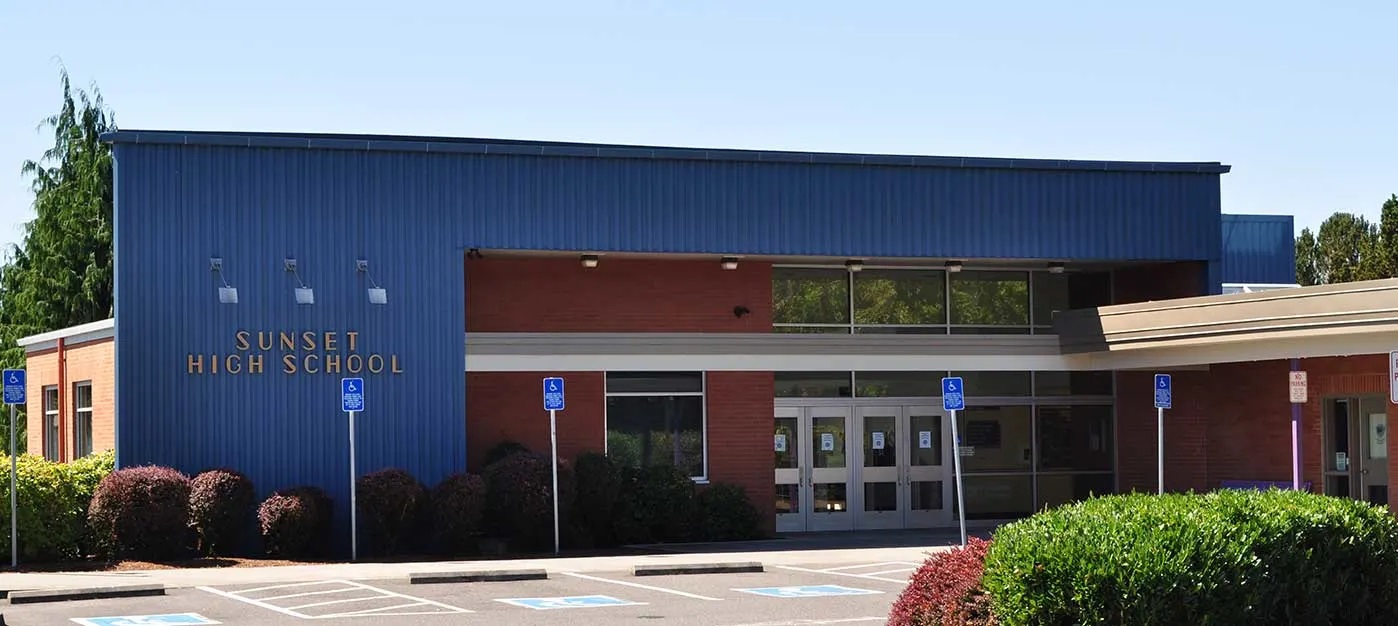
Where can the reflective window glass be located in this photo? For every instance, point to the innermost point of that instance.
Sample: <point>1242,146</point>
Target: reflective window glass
<point>985,298</point>
<point>810,296</point>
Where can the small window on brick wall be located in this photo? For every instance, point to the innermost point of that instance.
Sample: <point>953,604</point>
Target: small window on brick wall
<point>657,418</point>
<point>50,431</point>
<point>82,419</point>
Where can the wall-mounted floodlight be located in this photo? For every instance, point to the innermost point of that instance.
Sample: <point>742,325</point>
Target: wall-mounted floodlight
<point>589,260</point>
<point>1055,268</point>
<point>730,263</point>
<point>304,294</point>
<point>854,265</point>
<point>953,266</point>
<point>227,294</point>
<point>377,294</point>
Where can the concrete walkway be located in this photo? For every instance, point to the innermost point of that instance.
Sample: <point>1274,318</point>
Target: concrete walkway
<point>177,578</point>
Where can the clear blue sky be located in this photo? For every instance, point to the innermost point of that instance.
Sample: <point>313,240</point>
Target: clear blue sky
<point>1301,100</point>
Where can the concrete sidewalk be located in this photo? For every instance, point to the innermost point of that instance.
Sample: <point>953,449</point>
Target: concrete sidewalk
<point>178,578</point>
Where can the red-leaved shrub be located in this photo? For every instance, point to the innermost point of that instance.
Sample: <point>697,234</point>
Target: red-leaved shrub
<point>220,507</point>
<point>519,499</point>
<point>458,509</point>
<point>141,513</point>
<point>392,503</point>
<point>946,590</point>
<point>295,523</point>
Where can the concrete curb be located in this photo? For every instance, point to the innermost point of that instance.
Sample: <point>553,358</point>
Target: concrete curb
<point>90,593</point>
<point>427,578</point>
<point>700,568</point>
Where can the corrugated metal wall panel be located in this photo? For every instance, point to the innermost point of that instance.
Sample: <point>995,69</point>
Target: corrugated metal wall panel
<point>412,213</point>
<point>179,207</point>
<point>1259,249</point>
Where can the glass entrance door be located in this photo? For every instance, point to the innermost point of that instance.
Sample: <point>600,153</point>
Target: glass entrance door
<point>813,468</point>
<point>1356,449</point>
<point>903,478</point>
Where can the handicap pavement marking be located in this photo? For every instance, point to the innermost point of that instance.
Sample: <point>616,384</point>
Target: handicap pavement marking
<point>171,619</point>
<point>808,591</point>
<point>413,605</point>
<point>570,602</point>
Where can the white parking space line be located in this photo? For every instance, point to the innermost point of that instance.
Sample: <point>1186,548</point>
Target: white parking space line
<point>363,593</point>
<point>891,571</point>
<point>640,586</point>
<point>846,574</point>
<point>865,566</point>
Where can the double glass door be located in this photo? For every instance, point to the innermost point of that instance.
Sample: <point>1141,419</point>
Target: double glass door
<point>874,467</point>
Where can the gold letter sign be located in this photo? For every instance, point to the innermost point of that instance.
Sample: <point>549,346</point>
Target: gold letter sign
<point>309,352</point>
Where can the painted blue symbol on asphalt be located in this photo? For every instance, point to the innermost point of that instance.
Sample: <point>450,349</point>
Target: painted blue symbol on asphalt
<point>1163,391</point>
<point>174,619</point>
<point>570,602</point>
<point>352,394</point>
<point>553,394</point>
<point>953,394</point>
<point>15,388</point>
<point>808,591</point>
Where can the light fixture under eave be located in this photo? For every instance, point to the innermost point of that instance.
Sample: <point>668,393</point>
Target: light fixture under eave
<point>730,263</point>
<point>589,260</point>
<point>1055,268</point>
<point>228,295</point>
<point>854,266</point>
<point>378,295</point>
<point>305,295</point>
<point>953,266</point>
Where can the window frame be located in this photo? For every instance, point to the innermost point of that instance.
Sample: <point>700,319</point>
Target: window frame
<point>702,394</point>
<point>852,327</point>
<point>50,416</point>
<point>82,431</point>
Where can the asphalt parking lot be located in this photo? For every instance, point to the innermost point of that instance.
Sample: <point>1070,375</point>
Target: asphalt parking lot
<point>780,596</point>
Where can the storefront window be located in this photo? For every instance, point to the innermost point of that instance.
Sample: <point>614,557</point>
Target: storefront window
<point>995,384</point>
<point>1086,383</point>
<point>987,302</point>
<point>1067,291</point>
<point>898,384</point>
<point>810,299</point>
<point>1075,438</point>
<point>910,301</point>
<point>657,419</point>
<point>812,384</point>
<point>996,439</point>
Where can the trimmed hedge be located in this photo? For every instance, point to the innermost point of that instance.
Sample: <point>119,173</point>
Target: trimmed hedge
<point>53,500</point>
<point>946,590</point>
<point>1226,557</point>
<point>520,505</point>
<point>600,483</point>
<point>458,513</point>
<point>220,508</point>
<point>392,504</point>
<point>141,513</point>
<point>662,502</point>
<point>727,514</point>
<point>295,523</point>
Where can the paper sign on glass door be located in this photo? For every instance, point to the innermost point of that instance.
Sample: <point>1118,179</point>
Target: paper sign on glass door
<point>827,442</point>
<point>781,443</point>
<point>877,440</point>
<point>924,439</point>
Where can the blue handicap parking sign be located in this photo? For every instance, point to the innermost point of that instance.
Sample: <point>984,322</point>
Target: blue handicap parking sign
<point>15,388</point>
<point>570,602</point>
<point>173,619</point>
<point>808,591</point>
<point>553,394</point>
<point>1163,391</point>
<point>352,394</point>
<point>953,394</point>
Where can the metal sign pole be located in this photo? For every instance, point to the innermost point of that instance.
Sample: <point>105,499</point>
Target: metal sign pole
<point>14,499</point>
<point>553,446</point>
<point>354,503</point>
<point>1160,452</point>
<point>956,463</point>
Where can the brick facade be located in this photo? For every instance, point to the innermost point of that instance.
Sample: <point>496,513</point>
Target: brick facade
<point>90,362</point>
<point>621,295</point>
<point>1233,422</point>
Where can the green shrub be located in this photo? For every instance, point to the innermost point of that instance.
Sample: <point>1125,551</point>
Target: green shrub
<point>599,485</point>
<point>84,475</point>
<point>220,507</point>
<point>519,500</point>
<point>458,512</point>
<point>141,513</point>
<point>662,504</point>
<point>392,504</point>
<point>1227,557</point>
<point>726,514</point>
<point>499,451</point>
<point>48,528</point>
<point>295,523</point>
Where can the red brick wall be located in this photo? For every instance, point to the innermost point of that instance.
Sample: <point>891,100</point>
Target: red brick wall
<point>1233,422</point>
<point>93,362</point>
<point>619,295</point>
<point>740,415</point>
<point>506,406</point>
<point>1160,281</point>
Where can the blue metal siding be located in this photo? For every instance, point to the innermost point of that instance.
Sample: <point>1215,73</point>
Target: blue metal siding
<point>179,207</point>
<point>411,213</point>
<point>1259,249</point>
